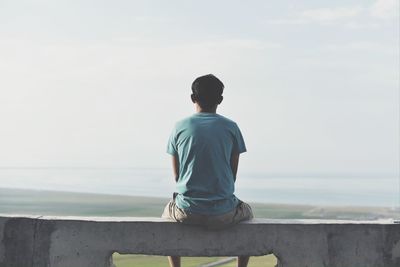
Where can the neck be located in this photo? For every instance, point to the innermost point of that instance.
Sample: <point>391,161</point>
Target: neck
<point>207,110</point>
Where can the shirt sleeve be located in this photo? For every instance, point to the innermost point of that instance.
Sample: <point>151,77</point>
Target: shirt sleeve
<point>238,145</point>
<point>171,146</point>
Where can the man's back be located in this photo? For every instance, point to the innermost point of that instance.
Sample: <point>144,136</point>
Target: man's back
<point>204,144</point>
<point>205,152</point>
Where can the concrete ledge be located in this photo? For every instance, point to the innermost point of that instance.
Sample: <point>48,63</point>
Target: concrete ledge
<point>90,241</point>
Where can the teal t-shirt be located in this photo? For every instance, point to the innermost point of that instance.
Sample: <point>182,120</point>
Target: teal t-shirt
<point>204,143</point>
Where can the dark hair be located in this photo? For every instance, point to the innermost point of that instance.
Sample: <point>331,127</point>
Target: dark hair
<point>207,91</point>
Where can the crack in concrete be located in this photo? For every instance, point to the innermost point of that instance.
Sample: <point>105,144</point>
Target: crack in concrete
<point>36,221</point>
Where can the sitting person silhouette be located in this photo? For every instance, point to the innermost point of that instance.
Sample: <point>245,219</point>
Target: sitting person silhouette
<point>205,149</point>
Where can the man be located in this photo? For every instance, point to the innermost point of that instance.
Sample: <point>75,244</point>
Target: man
<point>205,149</point>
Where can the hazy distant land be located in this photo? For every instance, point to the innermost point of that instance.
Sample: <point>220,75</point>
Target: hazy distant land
<point>37,202</point>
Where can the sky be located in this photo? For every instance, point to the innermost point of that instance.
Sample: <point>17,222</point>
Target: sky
<point>313,85</point>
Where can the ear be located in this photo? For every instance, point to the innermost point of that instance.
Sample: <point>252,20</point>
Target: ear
<point>220,99</point>
<point>193,97</point>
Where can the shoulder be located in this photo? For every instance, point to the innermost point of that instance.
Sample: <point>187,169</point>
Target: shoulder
<point>183,122</point>
<point>228,121</point>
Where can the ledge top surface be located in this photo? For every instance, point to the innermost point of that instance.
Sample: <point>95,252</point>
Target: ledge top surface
<point>161,220</point>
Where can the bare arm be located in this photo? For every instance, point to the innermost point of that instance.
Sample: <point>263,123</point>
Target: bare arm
<point>175,167</point>
<point>234,164</point>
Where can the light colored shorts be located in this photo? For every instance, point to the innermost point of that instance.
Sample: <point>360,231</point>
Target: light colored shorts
<point>242,212</point>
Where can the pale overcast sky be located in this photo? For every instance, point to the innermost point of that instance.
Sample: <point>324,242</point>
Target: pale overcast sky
<point>312,84</point>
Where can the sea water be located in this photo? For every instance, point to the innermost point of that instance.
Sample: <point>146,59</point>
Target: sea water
<point>314,189</point>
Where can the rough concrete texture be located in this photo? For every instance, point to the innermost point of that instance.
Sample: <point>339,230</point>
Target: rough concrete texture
<point>90,242</point>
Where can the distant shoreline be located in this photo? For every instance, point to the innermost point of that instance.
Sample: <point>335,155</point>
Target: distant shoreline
<point>2,189</point>
<point>49,202</point>
<point>75,192</point>
<point>321,189</point>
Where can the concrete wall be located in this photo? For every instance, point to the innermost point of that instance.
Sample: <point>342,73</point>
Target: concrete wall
<point>90,242</point>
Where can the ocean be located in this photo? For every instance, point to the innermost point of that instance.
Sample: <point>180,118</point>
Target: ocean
<point>315,189</point>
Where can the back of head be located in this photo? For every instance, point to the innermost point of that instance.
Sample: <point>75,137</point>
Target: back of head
<point>207,91</point>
